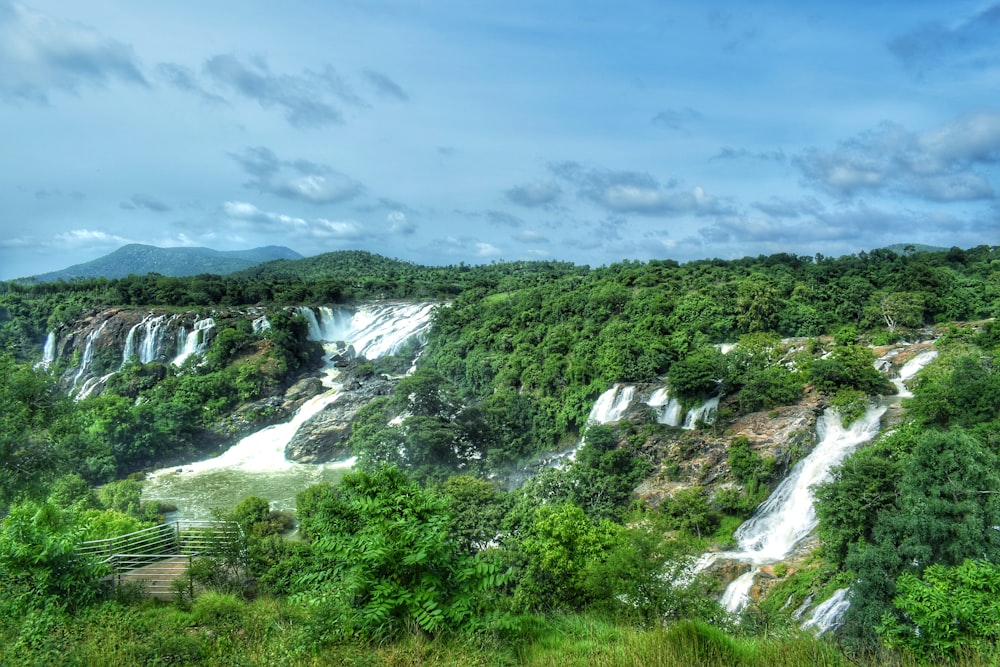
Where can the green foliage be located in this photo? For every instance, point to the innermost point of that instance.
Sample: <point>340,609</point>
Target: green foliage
<point>108,523</point>
<point>748,467</point>
<point>934,501</point>
<point>29,405</point>
<point>850,404</point>
<point>696,376</point>
<point>256,518</point>
<point>563,543</point>
<point>38,561</point>
<point>689,510</point>
<point>946,610</point>
<point>383,561</point>
<point>72,490</point>
<point>849,367</point>
<point>859,490</point>
<point>123,496</point>
<point>477,508</point>
<point>964,392</point>
<point>757,303</point>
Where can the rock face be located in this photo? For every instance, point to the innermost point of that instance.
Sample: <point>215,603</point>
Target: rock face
<point>323,437</point>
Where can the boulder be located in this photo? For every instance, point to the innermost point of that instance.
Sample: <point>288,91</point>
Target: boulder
<point>323,437</point>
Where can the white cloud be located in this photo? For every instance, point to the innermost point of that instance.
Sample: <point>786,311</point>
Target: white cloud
<point>39,53</point>
<point>536,193</point>
<point>935,166</point>
<point>280,223</point>
<point>299,180</point>
<point>399,224</point>
<point>484,249</point>
<point>81,238</point>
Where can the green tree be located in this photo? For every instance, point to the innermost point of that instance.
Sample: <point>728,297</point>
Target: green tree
<point>383,560</point>
<point>39,565</point>
<point>560,547</point>
<point>757,305</point>
<point>946,611</point>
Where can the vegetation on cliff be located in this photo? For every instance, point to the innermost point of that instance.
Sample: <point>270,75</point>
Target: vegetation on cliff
<point>420,552</point>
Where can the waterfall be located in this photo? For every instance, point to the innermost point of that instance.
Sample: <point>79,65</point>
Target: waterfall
<point>264,451</point>
<point>48,351</point>
<point>195,342</point>
<point>910,369</point>
<point>828,615</point>
<point>704,413</point>
<point>88,352</point>
<point>261,324</point>
<point>611,405</point>
<point>256,465</point>
<point>607,409</point>
<point>150,333</point>
<point>788,516</point>
<point>668,408</point>
<point>372,331</point>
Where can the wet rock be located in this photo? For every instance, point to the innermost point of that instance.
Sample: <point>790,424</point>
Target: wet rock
<point>323,437</point>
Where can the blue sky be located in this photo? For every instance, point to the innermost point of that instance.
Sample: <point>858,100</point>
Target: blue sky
<point>444,132</point>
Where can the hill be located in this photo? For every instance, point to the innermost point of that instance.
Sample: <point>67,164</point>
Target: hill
<point>340,264</point>
<point>141,259</point>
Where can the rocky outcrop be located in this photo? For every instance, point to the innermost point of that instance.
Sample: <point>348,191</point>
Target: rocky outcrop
<point>323,437</point>
<point>684,458</point>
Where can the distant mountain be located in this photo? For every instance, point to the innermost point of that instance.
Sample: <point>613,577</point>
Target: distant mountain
<point>141,259</point>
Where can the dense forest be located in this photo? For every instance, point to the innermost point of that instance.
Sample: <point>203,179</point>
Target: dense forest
<point>428,551</point>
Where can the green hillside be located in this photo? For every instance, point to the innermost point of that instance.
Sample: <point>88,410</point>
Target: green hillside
<point>138,259</point>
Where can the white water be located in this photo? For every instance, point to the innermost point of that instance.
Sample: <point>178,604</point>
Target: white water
<point>88,353</point>
<point>150,334</point>
<point>607,409</point>
<point>669,409</point>
<point>256,465</point>
<point>910,369</point>
<point>704,414</point>
<point>828,615</point>
<point>371,331</point>
<point>611,405</point>
<point>670,412</point>
<point>788,516</point>
<point>195,342</point>
<point>49,351</point>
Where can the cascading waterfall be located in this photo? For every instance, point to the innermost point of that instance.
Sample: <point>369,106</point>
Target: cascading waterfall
<point>607,409</point>
<point>150,333</point>
<point>48,351</point>
<point>910,369</point>
<point>670,412</point>
<point>261,324</point>
<point>788,516</point>
<point>611,405</point>
<point>88,353</point>
<point>195,342</point>
<point>828,614</point>
<point>668,408</point>
<point>256,465</point>
<point>703,414</point>
<point>372,331</point>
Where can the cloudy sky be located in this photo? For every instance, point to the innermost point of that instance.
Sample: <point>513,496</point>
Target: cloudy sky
<point>446,131</point>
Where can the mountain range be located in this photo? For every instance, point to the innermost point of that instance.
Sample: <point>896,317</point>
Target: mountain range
<point>141,259</point>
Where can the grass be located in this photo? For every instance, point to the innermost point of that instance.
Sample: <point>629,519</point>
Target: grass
<point>222,630</point>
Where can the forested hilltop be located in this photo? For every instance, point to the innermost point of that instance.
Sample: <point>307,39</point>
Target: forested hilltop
<point>453,540</point>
